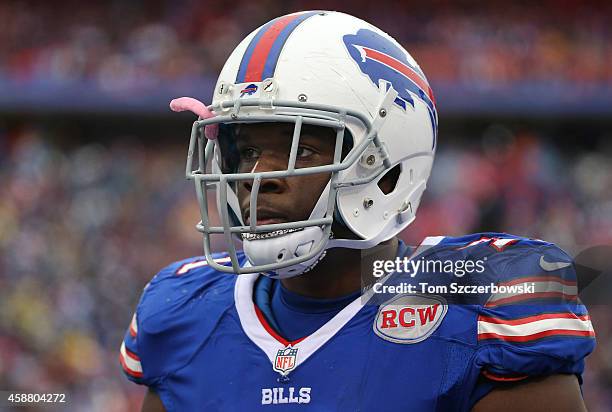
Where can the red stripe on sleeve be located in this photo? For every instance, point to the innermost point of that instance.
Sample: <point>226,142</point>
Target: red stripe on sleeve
<point>502,378</point>
<point>535,336</point>
<point>528,319</point>
<point>127,369</point>
<point>529,296</point>
<point>538,279</point>
<point>132,355</point>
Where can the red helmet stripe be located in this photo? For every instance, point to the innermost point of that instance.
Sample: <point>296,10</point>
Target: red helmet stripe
<point>256,65</point>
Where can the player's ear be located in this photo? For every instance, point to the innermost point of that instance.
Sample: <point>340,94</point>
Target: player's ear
<point>388,182</point>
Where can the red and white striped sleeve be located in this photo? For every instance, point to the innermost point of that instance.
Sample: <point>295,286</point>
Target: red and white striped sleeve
<point>539,331</point>
<point>128,353</point>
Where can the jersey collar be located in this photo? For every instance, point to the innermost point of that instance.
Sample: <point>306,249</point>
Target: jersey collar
<point>268,341</point>
<point>256,328</point>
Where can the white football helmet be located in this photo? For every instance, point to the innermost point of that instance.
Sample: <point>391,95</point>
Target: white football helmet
<point>328,69</point>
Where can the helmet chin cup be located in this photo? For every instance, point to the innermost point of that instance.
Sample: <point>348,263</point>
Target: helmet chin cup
<point>284,248</point>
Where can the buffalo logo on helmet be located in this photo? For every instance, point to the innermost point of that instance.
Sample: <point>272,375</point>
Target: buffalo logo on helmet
<point>380,59</point>
<point>248,90</point>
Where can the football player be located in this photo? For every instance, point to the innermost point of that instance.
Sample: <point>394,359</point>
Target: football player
<point>318,144</point>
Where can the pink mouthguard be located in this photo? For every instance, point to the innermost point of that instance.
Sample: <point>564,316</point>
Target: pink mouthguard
<point>199,109</point>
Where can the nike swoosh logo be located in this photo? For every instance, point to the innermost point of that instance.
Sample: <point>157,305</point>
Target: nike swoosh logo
<point>550,266</point>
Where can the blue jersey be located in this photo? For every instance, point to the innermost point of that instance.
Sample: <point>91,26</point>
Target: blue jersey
<point>199,339</point>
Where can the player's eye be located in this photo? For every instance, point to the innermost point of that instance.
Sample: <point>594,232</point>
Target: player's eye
<point>304,152</point>
<point>249,154</point>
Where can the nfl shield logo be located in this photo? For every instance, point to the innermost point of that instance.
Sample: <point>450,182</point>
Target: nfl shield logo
<point>286,360</point>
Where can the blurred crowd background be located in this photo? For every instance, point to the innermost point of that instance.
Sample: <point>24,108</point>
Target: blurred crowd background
<point>94,200</point>
<point>132,53</point>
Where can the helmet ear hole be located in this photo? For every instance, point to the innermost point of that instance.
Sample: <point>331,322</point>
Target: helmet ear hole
<point>388,182</point>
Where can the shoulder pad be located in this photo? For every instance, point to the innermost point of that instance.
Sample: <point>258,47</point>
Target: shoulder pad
<point>178,287</point>
<point>541,331</point>
<point>504,256</point>
<point>493,240</point>
<point>477,262</point>
<point>178,310</point>
<point>519,332</point>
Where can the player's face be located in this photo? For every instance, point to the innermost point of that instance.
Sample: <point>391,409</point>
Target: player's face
<point>265,147</point>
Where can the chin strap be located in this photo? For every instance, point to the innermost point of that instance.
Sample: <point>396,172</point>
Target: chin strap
<point>355,243</point>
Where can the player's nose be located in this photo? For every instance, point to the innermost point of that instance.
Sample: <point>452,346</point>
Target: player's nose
<point>269,163</point>
<point>273,185</point>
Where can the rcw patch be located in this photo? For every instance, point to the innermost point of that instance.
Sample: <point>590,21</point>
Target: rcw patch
<point>409,318</point>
